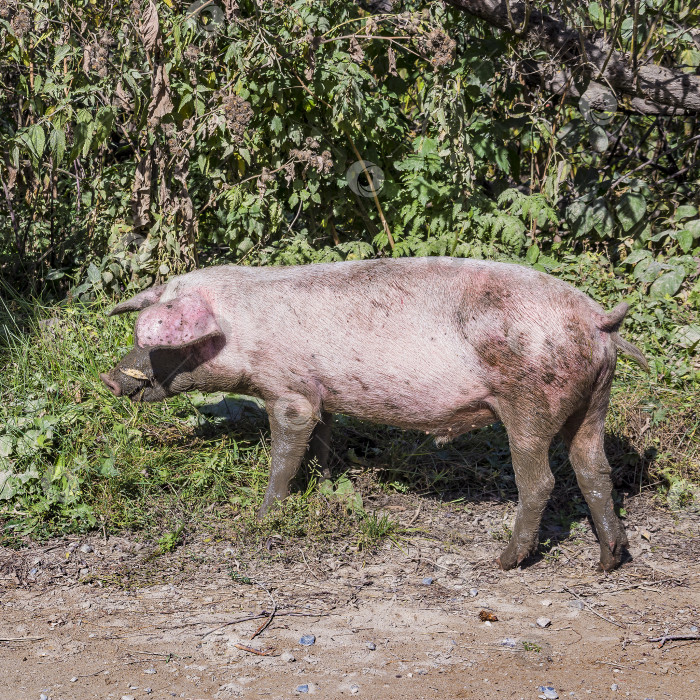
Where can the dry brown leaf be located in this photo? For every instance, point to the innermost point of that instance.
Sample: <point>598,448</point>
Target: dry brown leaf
<point>123,98</point>
<point>148,28</point>
<point>161,104</point>
<point>392,61</point>
<point>488,616</point>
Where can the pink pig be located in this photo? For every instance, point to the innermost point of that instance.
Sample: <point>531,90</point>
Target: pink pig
<point>441,345</point>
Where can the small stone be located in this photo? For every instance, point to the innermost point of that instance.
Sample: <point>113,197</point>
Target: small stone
<point>308,640</point>
<point>473,592</point>
<point>148,691</point>
<point>34,572</point>
<point>354,689</point>
<point>289,658</point>
<point>614,686</point>
<point>508,642</point>
<point>84,571</point>
<point>577,604</point>
<point>150,670</point>
<point>693,630</point>
<point>128,697</point>
<point>371,646</point>
<point>86,548</point>
<point>303,688</point>
<point>74,679</point>
<point>548,692</point>
<point>543,622</point>
<point>43,696</point>
<point>546,602</point>
<point>427,581</point>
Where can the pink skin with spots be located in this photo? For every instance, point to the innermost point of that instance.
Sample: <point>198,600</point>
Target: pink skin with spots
<point>435,344</point>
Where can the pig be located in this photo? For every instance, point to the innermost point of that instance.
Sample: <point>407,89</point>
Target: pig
<point>442,345</point>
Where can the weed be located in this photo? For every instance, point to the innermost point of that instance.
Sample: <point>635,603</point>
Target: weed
<point>239,578</point>
<point>375,527</point>
<point>170,540</point>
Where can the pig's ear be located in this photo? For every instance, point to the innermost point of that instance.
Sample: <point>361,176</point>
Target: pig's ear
<point>140,301</point>
<point>177,323</point>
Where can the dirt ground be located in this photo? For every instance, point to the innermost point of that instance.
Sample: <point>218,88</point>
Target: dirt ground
<point>89,618</point>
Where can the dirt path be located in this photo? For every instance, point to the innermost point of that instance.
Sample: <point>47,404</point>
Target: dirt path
<point>114,623</point>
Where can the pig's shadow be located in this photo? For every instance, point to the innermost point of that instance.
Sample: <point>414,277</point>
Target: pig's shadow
<point>474,468</point>
<point>235,410</point>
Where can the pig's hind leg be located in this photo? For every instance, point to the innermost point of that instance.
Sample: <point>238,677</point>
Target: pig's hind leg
<point>584,435</point>
<point>292,420</point>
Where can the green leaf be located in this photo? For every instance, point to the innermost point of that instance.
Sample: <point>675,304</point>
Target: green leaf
<point>598,139</point>
<point>533,252</point>
<point>636,255</point>
<point>595,13</point>
<point>602,218</point>
<point>630,209</point>
<point>668,284</point>
<point>35,140</point>
<point>276,125</point>
<point>57,144</point>
<point>94,274</point>
<point>5,445</point>
<point>685,240</point>
<point>685,211</point>
<point>580,217</point>
<point>61,53</point>
<point>104,122</point>
<point>689,336</point>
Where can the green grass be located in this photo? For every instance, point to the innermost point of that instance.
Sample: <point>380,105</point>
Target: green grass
<point>73,457</point>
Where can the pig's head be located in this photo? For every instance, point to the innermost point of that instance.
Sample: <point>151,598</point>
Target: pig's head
<point>173,341</point>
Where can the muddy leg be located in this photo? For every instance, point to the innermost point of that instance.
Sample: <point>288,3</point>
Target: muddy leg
<point>320,445</point>
<point>583,435</point>
<point>535,483</point>
<point>291,422</point>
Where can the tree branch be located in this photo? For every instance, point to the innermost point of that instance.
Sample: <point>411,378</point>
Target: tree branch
<point>650,87</point>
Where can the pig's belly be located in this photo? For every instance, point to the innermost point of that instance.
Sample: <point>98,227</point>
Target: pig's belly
<point>445,400</point>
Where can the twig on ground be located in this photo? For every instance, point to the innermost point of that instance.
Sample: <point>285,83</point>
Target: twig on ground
<point>254,617</point>
<point>675,638</point>
<point>272,614</point>
<point>250,650</point>
<point>90,675</point>
<point>595,612</point>
<point>308,567</point>
<point>415,516</point>
<point>20,639</point>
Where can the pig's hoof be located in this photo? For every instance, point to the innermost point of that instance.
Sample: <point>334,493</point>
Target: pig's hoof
<point>510,559</point>
<point>268,506</point>
<point>611,555</point>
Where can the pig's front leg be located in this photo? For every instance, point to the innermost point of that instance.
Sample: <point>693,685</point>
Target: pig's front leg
<point>292,420</point>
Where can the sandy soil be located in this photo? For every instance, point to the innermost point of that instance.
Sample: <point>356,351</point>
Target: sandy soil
<point>117,622</point>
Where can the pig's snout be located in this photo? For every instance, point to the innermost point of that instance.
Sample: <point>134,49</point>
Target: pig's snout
<point>111,384</point>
